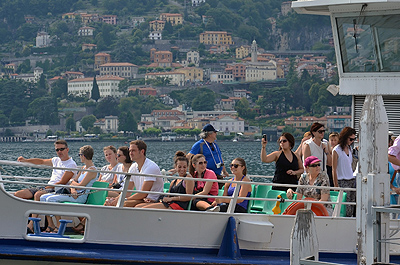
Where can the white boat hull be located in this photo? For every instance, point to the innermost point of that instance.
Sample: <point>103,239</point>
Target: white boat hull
<point>168,230</point>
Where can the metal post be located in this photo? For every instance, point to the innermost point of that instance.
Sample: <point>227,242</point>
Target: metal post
<point>372,181</point>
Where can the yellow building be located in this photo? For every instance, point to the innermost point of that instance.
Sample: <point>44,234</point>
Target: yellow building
<point>174,19</point>
<point>242,52</point>
<point>192,73</point>
<point>216,37</point>
<point>69,16</point>
<point>157,25</point>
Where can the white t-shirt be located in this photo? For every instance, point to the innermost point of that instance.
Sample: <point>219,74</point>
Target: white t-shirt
<point>318,151</point>
<point>108,177</point>
<point>343,170</point>
<point>120,177</point>
<point>149,167</point>
<point>57,174</point>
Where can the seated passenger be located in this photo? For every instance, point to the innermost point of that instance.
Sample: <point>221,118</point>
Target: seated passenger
<point>110,154</point>
<point>142,165</point>
<point>181,186</point>
<point>124,163</point>
<point>313,177</point>
<point>58,176</point>
<point>83,178</point>
<point>198,169</point>
<point>239,169</point>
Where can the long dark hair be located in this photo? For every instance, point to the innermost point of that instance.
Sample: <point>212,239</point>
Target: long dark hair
<point>288,137</point>
<point>194,160</point>
<point>344,135</point>
<point>125,151</point>
<point>315,127</point>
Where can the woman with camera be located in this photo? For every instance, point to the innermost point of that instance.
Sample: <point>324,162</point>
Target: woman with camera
<point>288,165</point>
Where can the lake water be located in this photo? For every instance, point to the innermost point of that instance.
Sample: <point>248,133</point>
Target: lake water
<point>160,152</point>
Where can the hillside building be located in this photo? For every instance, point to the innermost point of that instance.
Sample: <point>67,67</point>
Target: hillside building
<point>85,31</point>
<point>125,70</point>
<point>216,38</point>
<point>42,39</point>
<point>157,25</point>
<point>108,86</point>
<point>101,58</point>
<point>174,19</point>
<point>176,79</point>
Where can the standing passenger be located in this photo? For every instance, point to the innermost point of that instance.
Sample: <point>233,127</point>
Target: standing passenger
<point>210,149</point>
<point>333,141</point>
<point>288,166</point>
<point>317,146</point>
<point>342,171</point>
<point>394,159</point>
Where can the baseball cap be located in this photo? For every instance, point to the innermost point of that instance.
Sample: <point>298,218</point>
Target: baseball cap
<point>209,128</point>
<point>311,160</point>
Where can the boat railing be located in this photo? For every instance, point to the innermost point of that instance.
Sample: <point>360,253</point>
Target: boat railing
<point>24,180</point>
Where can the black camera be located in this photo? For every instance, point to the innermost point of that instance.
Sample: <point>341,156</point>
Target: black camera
<point>116,186</point>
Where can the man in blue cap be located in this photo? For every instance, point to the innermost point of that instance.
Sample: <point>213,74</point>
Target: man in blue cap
<point>209,148</point>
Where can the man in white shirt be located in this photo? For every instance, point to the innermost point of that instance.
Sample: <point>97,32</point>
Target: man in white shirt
<point>58,176</point>
<point>143,165</point>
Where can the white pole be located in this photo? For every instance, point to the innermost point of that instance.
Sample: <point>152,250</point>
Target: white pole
<point>373,180</point>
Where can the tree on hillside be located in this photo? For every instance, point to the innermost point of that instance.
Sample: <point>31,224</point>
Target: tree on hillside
<point>127,122</point>
<point>70,124</point>
<point>107,106</point>
<point>88,121</point>
<point>44,110</point>
<point>204,101</point>
<point>17,116</point>
<point>95,90</point>
<point>59,89</point>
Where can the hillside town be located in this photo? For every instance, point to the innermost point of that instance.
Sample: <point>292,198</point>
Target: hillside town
<point>174,66</point>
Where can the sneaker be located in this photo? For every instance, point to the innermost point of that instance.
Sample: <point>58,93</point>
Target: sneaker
<point>213,209</point>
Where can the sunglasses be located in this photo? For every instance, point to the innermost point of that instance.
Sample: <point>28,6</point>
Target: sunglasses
<point>315,165</point>
<point>321,131</point>
<point>60,149</point>
<point>118,155</point>
<point>352,139</point>
<point>235,165</point>
<point>283,141</point>
<point>202,162</point>
<point>80,154</point>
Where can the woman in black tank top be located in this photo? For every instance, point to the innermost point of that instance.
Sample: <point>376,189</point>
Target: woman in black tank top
<point>288,165</point>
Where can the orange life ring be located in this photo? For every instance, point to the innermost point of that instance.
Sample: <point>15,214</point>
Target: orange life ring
<point>317,208</point>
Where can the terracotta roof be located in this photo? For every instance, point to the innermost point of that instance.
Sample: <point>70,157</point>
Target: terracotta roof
<point>118,64</point>
<point>98,78</point>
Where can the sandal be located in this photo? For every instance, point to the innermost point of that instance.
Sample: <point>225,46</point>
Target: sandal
<point>55,230</point>
<point>79,228</point>
<point>50,229</point>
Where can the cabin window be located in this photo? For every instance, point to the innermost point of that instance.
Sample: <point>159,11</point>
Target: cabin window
<point>369,43</point>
